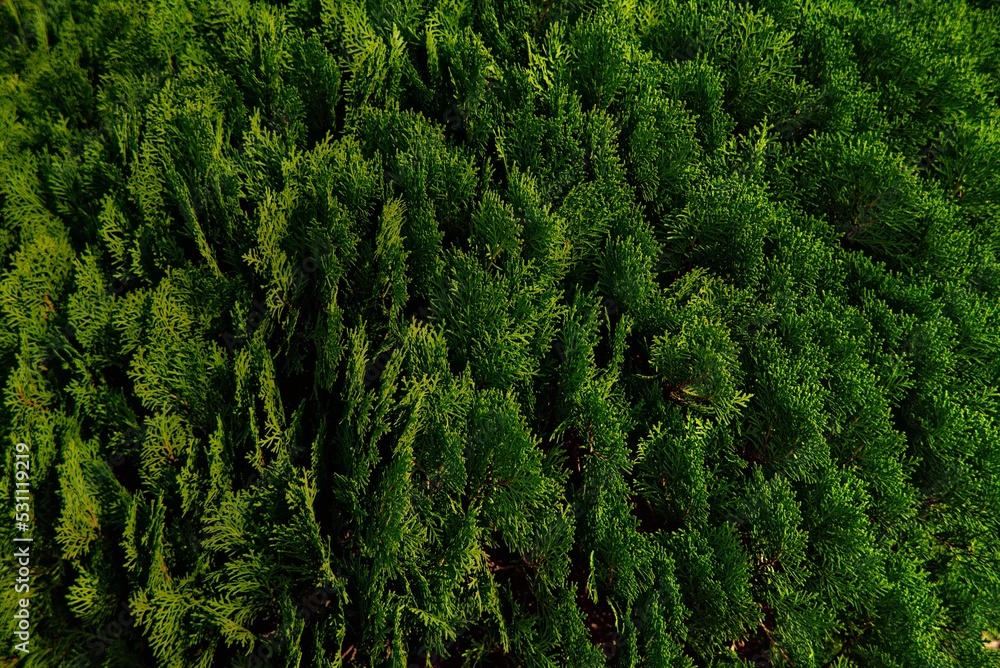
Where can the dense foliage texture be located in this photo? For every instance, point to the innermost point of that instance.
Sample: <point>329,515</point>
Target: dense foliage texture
<point>526,332</point>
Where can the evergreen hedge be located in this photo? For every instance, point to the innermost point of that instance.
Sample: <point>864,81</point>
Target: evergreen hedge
<point>503,332</point>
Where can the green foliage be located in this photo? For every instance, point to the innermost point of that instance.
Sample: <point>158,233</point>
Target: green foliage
<point>403,333</point>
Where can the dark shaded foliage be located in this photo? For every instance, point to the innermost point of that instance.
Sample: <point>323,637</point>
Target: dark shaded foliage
<point>526,332</point>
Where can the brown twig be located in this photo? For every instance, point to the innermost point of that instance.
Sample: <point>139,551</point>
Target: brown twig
<point>847,645</point>
<point>545,10</point>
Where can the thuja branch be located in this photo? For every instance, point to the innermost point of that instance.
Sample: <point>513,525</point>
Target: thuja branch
<point>849,643</point>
